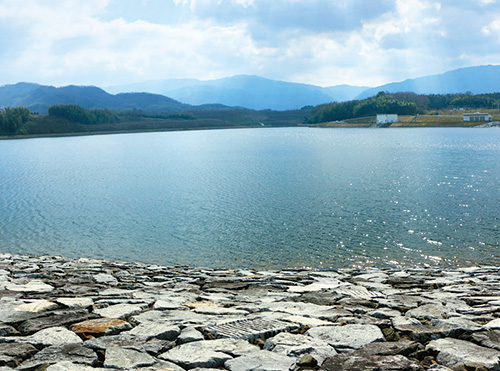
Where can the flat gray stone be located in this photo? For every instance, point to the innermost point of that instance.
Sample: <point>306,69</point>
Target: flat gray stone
<point>429,312</point>
<point>177,317</point>
<point>18,352</point>
<point>348,336</point>
<point>385,313</point>
<point>343,362</point>
<point>163,331</point>
<point>75,302</point>
<point>489,338</point>
<point>453,352</point>
<point>294,345</point>
<point>493,325</point>
<point>202,358</point>
<point>61,318</point>
<point>36,306</point>
<point>261,361</point>
<point>164,366</point>
<point>105,278</point>
<point>220,311</point>
<point>457,324</point>
<point>325,312</point>
<point>32,286</point>
<point>48,336</point>
<point>124,359</point>
<point>141,344</point>
<point>188,335</point>
<point>121,340</point>
<point>56,353</point>
<point>208,353</point>
<point>71,366</point>
<point>404,323</point>
<point>119,310</point>
<point>168,305</point>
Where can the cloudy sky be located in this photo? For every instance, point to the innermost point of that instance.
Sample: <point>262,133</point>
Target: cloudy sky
<point>322,42</point>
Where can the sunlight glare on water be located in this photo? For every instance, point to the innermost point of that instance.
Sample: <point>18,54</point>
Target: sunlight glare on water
<point>263,198</point>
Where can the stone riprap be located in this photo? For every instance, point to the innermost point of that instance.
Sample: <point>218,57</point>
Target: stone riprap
<point>80,314</point>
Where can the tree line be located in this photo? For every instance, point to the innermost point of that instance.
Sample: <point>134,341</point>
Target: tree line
<point>403,103</point>
<point>381,103</point>
<point>450,101</point>
<point>84,116</point>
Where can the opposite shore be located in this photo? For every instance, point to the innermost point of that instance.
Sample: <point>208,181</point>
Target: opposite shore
<point>160,130</point>
<point>82,314</point>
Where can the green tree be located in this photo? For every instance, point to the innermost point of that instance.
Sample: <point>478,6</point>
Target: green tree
<point>82,115</point>
<point>13,119</point>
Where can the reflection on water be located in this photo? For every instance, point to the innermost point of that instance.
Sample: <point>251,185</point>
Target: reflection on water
<point>258,197</point>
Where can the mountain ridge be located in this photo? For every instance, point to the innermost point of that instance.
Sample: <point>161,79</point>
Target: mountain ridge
<point>239,91</point>
<point>476,79</point>
<point>38,98</point>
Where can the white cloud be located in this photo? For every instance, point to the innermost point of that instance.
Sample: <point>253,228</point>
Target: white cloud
<point>313,41</point>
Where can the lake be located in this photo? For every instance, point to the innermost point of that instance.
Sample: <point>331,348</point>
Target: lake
<point>257,198</point>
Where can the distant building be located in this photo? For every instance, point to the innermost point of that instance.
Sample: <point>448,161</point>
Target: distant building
<point>387,119</point>
<point>477,117</point>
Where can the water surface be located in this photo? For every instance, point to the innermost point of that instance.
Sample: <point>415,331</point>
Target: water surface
<point>263,198</point>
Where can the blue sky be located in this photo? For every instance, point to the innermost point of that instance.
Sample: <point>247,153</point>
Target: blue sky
<point>321,42</point>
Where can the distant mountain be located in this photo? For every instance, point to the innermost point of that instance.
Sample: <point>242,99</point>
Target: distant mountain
<point>38,98</point>
<point>244,91</point>
<point>477,80</point>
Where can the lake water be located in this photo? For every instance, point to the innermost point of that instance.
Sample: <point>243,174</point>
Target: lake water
<point>261,198</point>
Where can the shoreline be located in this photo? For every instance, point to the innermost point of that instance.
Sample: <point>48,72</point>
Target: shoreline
<point>61,313</point>
<point>110,132</point>
<point>321,126</point>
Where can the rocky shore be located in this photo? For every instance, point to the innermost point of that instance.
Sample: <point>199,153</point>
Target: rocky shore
<point>61,314</point>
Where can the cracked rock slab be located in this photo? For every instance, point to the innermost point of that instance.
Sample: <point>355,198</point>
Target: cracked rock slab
<point>454,352</point>
<point>344,362</point>
<point>163,331</point>
<point>54,354</point>
<point>119,310</point>
<point>75,302</point>
<point>261,361</point>
<point>348,336</point>
<point>46,337</point>
<point>294,345</point>
<point>32,286</point>
<point>208,353</point>
<point>124,359</point>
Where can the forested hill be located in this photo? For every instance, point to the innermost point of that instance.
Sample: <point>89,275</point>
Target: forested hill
<point>402,103</point>
<point>38,98</point>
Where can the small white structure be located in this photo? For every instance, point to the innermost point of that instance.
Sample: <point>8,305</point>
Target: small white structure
<point>477,117</point>
<point>387,119</point>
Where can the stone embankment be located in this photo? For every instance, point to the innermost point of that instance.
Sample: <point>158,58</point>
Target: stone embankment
<point>60,314</point>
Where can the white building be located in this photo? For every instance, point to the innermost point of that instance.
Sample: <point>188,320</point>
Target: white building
<point>477,117</point>
<point>387,119</point>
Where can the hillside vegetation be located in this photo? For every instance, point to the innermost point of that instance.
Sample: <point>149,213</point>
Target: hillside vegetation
<point>413,110</point>
<point>404,104</point>
<point>73,119</point>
